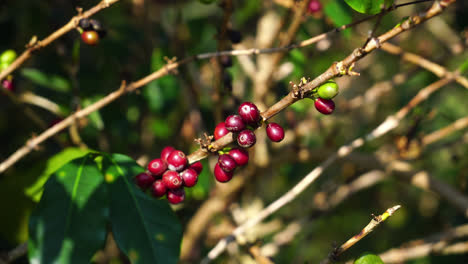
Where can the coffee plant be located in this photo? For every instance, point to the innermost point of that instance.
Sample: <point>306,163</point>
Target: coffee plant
<point>221,131</point>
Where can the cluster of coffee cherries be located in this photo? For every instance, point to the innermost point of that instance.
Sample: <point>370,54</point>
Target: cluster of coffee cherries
<point>242,125</point>
<point>91,31</point>
<point>6,58</point>
<point>169,174</point>
<point>323,96</point>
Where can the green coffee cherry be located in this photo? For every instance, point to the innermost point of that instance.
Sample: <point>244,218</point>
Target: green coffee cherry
<point>328,90</point>
<point>8,56</point>
<point>3,66</point>
<point>369,259</point>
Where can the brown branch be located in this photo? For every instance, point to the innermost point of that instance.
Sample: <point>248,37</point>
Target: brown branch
<point>37,45</point>
<point>15,253</point>
<point>459,124</point>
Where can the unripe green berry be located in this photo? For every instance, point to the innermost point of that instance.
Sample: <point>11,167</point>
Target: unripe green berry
<point>328,90</point>
<point>8,56</point>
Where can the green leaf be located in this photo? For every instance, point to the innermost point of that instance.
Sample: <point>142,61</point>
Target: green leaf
<point>145,229</point>
<point>339,14</point>
<point>69,224</point>
<point>368,6</point>
<point>54,163</point>
<point>368,258</point>
<point>54,82</point>
<point>95,116</point>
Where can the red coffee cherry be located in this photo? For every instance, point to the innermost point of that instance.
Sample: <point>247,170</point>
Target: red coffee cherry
<point>275,132</point>
<point>8,84</point>
<point>176,161</point>
<point>227,163</point>
<point>158,189</point>
<point>165,153</point>
<point>241,156</point>
<point>189,176</point>
<point>249,113</point>
<point>246,138</point>
<point>157,167</point>
<point>172,180</point>
<point>197,166</point>
<point>144,180</point>
<point>234,123</point>
<point>221,175</point>
<point>324,106</point>
<point>176,196</point>
<point>220,131</point>
<point>90,37</point>
<point>314,6</point>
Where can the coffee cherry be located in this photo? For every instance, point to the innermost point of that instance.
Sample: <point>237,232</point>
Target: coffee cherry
<point>275,132</point>
<point>157,167</point>
<point>176,196</point>
<point>234,36</point>
<point>324,106</point>
<point>246,138</point>
<point>189,176</point>
<point>172,180</point>
<point>221,175</point>
<point>197,166</point>
<point>158,189</point>
<point>249,113</point>
<point>8,56</point>
<point>176,161</point>
<point>90,37</point>
<point>8,84</point>
<point>240,156</point>
<point>220,131</point>
<point>84,24</point>
<point>144,180</point>
<point>328,90</point>
<point>227,163</point>
<point>97,26</point>
<point>165,153</point>
<point>234,123</point>
<point>314,6</point>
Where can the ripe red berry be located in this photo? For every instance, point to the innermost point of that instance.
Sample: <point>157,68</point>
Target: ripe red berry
<point>241,156</point>
<point>234,123</point>
<point>275,132</point>
<point>9,85</point>
<point>220,131</point>
<point>227,163</point>
<point>246,138</point>
<point>190,177</point>
<point>176,196</point>
<point>158,189</point>
<point>144,180</point>
<point>172,180</point>
<point>90,37</point>
<point>197,166</point>
<point>176,161</point>
<point>249,113</point>
<point>221,175</point>
<point>157,167</point>
<point>165,153</point>
<point>324,106</point>
<point>314,6</point>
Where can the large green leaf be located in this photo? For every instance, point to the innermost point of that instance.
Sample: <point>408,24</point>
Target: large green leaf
<point>338,13</point>
<point>69,224</point>
<point>145,229</point>
<point>368,6</point>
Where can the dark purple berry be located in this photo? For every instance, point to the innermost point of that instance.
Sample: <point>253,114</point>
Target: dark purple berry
<point>227,163</point>
<point>275,132</point>
<point>221,175</point>
<point>158,189</point>
<point>197,166</point>
<point>314,6</point>
<point>234,36</point>
<point>144,180</point>
<point>241,156</point>
<point>249,113</point>
<point>226,61</point>
<point>172,180</point>
<point>220,131</point>
<point>324,106</point>
<point>165,153</point>
<point>157,167</point>
<point>96,25</point>
<point>90,37</point>
<point>84,24</point>
<point>246,138</point>
<point>234,123</point>
<point>176,196</point>
<point>190,177</point>
<point>176,161</point>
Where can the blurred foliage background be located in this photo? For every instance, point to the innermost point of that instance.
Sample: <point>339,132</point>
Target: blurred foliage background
<point>174,110</point>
